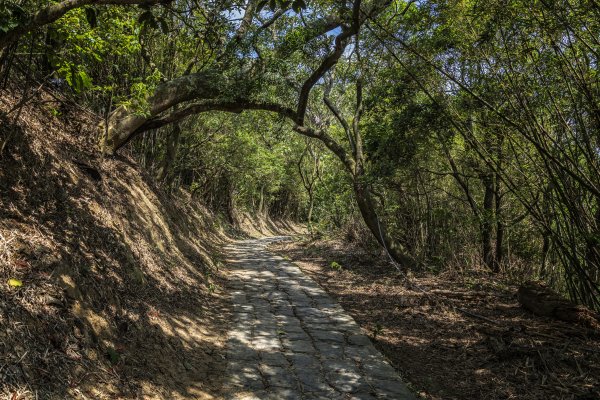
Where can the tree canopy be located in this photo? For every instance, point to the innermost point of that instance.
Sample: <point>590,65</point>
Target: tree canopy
<point>457,130</point>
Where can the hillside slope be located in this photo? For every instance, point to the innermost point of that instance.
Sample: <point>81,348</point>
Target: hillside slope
<point>120,294</point>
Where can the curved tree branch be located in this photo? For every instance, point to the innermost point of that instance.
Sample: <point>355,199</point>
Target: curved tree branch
<point>208,86</point>
<point>54,11</point>
<point>239,106</point>
<point>341,41</point>
<point>235,106</point>
<point>330,143</point>
<point>359,16</point>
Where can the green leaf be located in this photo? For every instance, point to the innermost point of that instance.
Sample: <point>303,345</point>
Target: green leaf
<point>335,266</point>
<point>82,81</point>
<point>15,283</point>
<point>85,80</point>
<point>113,356</point>
<point>11,16</point>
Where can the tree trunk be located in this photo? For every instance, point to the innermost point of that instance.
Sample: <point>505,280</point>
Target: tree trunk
<point>364,199</point>
<point>170,153</point>
<point>486,223</point>
<point>311,205</point>
<point>499,246</point>
<point>545,251</point>
<point>231,206</point>
<point>498,210</point>
<point>122,123</point>
<point>262,204</point>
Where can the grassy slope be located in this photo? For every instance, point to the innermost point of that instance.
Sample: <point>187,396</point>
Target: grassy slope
<point>121,293</point>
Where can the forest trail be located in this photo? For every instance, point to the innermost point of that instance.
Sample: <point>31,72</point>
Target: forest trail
<point>290,340</point>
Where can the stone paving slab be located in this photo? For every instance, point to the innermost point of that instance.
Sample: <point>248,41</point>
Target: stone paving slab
<point>290,340</point>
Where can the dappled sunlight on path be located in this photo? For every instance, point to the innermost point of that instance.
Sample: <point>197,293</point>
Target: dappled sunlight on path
<point>290,340</point>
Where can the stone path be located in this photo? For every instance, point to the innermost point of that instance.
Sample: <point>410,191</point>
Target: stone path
<point>290,340</point>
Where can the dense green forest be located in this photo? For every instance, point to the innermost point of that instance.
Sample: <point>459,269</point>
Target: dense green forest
<point>454,133</point>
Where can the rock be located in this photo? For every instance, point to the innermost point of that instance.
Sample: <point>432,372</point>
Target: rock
<point>360,340</point>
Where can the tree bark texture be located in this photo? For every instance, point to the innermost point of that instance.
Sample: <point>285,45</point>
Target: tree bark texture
<point>364,200</point>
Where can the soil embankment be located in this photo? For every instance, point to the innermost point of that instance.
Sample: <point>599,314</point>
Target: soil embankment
<point>109,288</point>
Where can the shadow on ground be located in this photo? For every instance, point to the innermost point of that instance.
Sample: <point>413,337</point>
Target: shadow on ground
<point>445,353</point>
<point>120,292</point>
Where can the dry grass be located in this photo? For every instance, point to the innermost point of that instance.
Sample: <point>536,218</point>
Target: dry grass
<point>121,295</point>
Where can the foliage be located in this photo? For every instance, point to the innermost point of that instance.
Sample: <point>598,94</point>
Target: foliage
<point>11,15</point>
<point>335,266</point>
<point>473,126</point>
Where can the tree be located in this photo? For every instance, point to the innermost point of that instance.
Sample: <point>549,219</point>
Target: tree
<point>16,22</point>
<point>458,130</point>
<point>309,169</point>
<point>213,90</point>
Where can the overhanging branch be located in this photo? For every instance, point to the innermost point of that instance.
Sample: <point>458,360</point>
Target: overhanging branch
<point>341,41</point>
<point>235,106</point>
<point>359,16</point>
<point>53,12</point>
